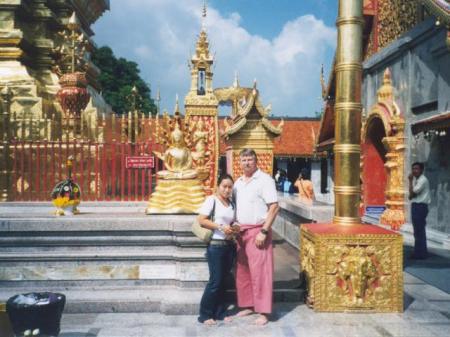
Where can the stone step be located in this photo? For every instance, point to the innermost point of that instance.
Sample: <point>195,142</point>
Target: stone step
<point>169,300</point>
<point>102,254</point>
<point>111,241</point>
<point>96,222</point>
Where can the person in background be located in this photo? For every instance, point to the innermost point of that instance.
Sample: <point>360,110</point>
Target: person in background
<point>287,186</point>
<point>305,187</point>
<point>277,177</point>
<point>419,194</point>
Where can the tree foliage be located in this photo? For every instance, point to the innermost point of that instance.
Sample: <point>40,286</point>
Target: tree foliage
<point>117,78</point>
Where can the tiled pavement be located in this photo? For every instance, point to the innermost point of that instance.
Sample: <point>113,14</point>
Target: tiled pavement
<point>427,314</point>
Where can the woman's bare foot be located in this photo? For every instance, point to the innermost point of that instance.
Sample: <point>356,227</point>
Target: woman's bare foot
<point>210,322</point>
<point>228,319</point>
<point>261,320</point>
<point>244,312</point>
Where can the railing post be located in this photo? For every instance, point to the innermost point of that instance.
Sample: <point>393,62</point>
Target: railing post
<point>5,165</point>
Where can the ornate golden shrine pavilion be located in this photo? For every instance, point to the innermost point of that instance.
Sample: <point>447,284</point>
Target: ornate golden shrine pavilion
<point>249,127</point>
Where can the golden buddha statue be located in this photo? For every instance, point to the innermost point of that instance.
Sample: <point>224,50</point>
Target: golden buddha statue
<point>177,158</point>
<point>178,189</point>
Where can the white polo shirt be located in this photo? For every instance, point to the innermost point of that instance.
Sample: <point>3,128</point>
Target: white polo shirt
<point>252,197</point>
<point>421,187</point>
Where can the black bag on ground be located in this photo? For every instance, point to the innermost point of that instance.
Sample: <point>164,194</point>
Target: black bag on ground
<point>32,311</point>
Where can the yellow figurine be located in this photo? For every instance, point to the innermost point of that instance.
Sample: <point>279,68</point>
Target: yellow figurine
<point>177,158</point>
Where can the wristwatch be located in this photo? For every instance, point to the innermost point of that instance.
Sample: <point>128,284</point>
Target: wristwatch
<point>264,231</point>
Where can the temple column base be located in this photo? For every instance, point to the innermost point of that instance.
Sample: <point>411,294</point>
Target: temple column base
<point>355,268</point>
<point>176,196</point>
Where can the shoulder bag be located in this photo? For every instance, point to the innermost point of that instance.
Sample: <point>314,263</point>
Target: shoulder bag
<point>202,233</point>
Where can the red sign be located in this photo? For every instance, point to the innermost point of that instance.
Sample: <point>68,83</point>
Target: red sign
<point>137,162</point>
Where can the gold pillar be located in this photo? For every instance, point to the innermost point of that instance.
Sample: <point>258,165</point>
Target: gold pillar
<point>348,112</point>
<point>349,266</point>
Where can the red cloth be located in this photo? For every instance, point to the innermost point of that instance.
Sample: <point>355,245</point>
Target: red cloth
<point>254,270</point>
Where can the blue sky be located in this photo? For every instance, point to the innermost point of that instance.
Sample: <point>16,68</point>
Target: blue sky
<point>281,43</point>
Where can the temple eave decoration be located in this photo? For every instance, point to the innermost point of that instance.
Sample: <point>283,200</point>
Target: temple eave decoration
<point>438,8</point>
<point>246,104</point>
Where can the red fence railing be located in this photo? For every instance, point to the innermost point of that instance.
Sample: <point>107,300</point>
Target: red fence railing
<point>99,168</point>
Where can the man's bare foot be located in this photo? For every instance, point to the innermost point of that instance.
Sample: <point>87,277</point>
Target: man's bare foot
<point>244,312</point>
<point>261,320</point>
<point>210,322</point>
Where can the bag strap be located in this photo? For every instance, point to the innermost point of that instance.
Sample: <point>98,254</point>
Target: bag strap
<point>213,210</point>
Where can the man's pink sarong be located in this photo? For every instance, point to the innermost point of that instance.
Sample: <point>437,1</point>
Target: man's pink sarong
<point>254,270</point>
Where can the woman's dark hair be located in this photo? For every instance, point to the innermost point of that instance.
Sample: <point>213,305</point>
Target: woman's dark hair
<point>224,176</point>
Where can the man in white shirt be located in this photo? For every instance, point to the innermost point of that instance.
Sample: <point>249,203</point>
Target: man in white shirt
<point>256,208</point>
<point>419,194</point>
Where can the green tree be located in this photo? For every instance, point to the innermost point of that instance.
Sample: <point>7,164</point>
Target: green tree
<point>117,78</point>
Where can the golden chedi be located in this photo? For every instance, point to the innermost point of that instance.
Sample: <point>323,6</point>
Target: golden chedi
<point>178,188</point>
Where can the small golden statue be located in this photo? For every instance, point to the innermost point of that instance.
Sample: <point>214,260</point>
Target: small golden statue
<point>178,189</point>
<point>177,158</point>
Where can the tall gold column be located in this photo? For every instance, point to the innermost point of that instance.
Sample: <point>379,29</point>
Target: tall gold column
<point>348,112</point>
<point>349,266</point>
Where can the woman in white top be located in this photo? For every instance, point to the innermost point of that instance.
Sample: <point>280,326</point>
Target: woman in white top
<point>221,250</point>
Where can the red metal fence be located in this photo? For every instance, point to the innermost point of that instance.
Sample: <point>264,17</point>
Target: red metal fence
<point>99,169</point>
<point>112,156</point>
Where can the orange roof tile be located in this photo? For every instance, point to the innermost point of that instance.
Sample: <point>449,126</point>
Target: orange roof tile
<point>297,138</point>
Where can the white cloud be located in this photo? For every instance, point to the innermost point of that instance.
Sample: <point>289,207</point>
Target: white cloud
<point>160,35</point>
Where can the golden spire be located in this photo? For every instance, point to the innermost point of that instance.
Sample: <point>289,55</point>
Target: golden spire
<point>322,83</point>
<point>236,80</point>
<point>204,13</point>
<point>158,100</point>
<point>177,106</point>
<point>386,91</point>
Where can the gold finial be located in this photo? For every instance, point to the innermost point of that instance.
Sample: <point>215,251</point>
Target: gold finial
<point>236,80</point>
<point>177,106</point>
<point>204,12</point>
<point>386,91</point>
<point>74,23</point>
<point>322,83</point>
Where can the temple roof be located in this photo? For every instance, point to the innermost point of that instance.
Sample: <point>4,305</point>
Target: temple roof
<point>296,140</point>
<point>244,101</point>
